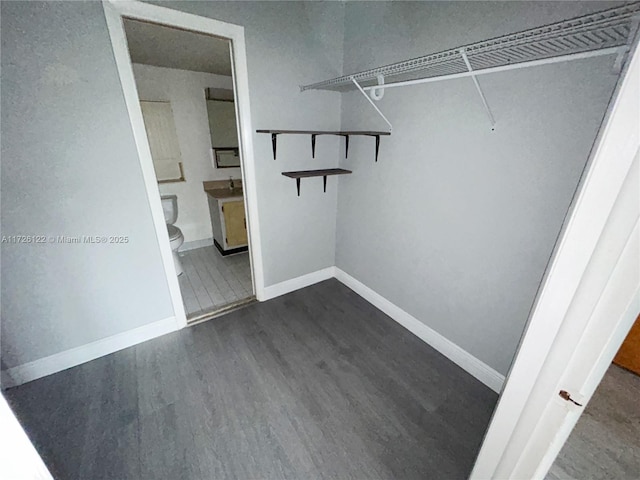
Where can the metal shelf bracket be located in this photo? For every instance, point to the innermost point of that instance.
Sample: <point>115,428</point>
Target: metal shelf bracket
<point>372,104</point>
<point>492,120</point>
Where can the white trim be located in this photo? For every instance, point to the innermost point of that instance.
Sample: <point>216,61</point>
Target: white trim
<point>19,460</point>
<point>514,421</point>
<point>130,92</point>
<point>554,439</point>
<point>115,10</point>
<point>70,358</point>
<point>604,307</point>
<point>85,353</point>
<point>609,352</point>
<point>282,288</point>
<point>480,370</point>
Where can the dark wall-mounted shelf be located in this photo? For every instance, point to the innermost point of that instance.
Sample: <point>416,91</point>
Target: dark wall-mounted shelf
<point>315,173</point>
<point>315,133</point>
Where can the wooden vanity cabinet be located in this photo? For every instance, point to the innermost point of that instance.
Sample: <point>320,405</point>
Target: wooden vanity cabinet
<point>229,224</point>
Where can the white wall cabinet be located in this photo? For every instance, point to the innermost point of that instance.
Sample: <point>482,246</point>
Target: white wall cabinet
<point>222,124</point>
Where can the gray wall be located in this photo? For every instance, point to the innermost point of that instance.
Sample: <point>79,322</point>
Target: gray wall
<point>289,44</point>
<point>69,167</point>
<point>455,223</point>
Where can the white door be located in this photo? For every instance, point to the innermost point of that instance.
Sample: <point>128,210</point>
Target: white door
<point>19,460</point>
<point>596,326</point>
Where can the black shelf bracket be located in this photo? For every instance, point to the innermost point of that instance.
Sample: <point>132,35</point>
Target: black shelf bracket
<point>315,133</point>
<point>274,143</point>
<point>324,173</point>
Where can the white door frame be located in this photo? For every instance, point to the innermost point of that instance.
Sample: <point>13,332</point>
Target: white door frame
<point>586,306</point>
<point>114,11</point>
<point>18,457</point>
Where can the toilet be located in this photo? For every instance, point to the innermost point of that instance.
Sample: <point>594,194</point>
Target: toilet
<point>176,239</point>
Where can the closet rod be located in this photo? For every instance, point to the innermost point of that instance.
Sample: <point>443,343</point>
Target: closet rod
<point>503,68</point>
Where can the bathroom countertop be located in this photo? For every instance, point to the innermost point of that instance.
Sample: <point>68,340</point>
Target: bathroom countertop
<point>219,189</point>
<point>220,193</point>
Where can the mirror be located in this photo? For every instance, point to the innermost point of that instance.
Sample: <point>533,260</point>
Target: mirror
<point>227,158</point>
<point>223,129</point>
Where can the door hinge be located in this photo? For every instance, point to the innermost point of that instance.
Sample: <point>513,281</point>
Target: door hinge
<point>226,239</point>
<point>222,208</point>
<point>567,396</point>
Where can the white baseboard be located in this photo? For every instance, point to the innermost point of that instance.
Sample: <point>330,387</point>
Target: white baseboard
<point>297,283</point>
<point>483,372</point>
<point>76,356</point>
<point>186,246</point>
<point>85,353</point>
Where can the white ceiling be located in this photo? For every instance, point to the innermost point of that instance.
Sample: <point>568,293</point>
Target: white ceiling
<point>162,46</point>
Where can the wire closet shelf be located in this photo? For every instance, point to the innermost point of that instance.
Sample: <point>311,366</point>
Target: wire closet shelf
<point>603,31</point>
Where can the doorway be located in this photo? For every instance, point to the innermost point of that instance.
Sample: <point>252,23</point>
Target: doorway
<point>605,442</point>
<point>197,160</point>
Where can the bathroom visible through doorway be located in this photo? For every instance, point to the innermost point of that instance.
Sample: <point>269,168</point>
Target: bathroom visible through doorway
<point>186,91</point>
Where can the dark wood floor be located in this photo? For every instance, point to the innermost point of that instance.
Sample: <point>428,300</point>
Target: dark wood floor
<point>314,384</point>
